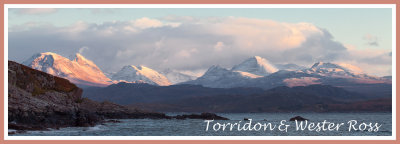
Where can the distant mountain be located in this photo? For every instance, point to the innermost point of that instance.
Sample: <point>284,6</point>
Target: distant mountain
<point>350,73</point>
<point>344,75</point>
<point>239,75</point>
<point>256,65</point>
<point>283,78</point>
<point>129,93</point>
<point>218,77</point>
<point>79,70</point>
<point>336,70</point>
<point>140,74</point>
<point>177,77</point>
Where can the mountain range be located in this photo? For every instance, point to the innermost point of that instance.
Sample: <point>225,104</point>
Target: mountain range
<point>255,85</point>
<point>252,72</point>
<point>320,73</point>
<point>84,72</point>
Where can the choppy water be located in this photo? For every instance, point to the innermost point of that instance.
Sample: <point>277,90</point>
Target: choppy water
<point>192,127</point>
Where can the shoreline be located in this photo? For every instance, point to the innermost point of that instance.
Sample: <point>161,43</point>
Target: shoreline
<point>158,127</point>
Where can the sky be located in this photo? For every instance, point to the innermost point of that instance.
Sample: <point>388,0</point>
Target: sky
<point>191,40</point>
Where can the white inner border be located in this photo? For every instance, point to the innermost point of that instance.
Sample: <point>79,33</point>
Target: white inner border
<point>392,6</point>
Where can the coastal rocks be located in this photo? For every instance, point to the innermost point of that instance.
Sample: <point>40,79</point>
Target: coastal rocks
<point>39,101</point>
<point>22,127</point>
<point>298,118</point>
<point>204,116</point>
<point>108,110</point>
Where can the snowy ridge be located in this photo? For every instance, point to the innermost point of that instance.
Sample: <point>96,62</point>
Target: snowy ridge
<point>252,68</point>
<point>79,71</point>
<point>140,74</point>
<point>336,70</point>
<point>248,74</point>
<point>256,65</point>
<point>220,77</point>
<point>216,72</point>
<point>343,70</point>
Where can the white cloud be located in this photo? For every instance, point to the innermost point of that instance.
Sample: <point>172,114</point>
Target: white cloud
<point>144,23</point>
<point>257,34</point>
<point>189,44</point>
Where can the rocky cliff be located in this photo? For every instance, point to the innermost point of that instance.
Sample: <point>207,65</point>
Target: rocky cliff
<point>37,101</point>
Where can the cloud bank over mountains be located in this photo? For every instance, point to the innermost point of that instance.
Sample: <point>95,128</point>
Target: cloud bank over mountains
<point>192,44</point>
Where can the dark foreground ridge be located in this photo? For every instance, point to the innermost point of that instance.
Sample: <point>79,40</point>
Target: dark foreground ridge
<point>38,101</point>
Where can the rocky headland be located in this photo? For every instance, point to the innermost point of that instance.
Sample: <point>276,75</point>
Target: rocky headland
<point>38,101</point>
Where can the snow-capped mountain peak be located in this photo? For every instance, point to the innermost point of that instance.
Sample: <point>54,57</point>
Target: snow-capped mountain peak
<point>79,71</point>
<point>336,66</point>
<point>256,65</point>
<point>133,73</point>
<point>220,77</point>
<point>41,60</point>
<point>336,69</point>
<point>218,71</point>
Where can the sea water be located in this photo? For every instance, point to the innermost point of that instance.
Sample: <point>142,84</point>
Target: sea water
<point>197,127</point>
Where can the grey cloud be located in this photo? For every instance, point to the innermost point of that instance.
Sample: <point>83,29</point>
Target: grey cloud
<point>317,48</point>
<point>383,59</point>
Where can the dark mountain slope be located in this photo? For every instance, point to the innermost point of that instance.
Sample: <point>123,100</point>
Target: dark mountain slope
<point>128,93</point>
